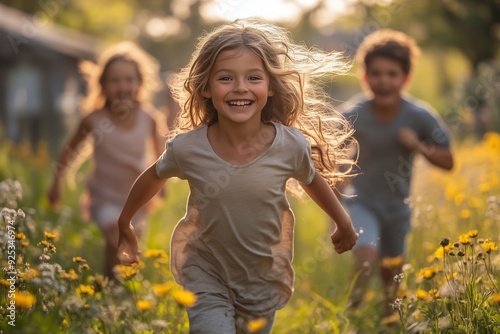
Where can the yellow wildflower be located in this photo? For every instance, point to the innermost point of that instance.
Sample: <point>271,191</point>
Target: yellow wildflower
<point>125,273</point>
<point>24,243</point>
<point>472,233</point>
<point>475,202</point>
<point>24,299</point>
<point>465,214</point>
<point>144,305</point>
<point>29,274</point>
<point>445,248</point>
<point>428,273</point>
<point>464,239</point>
<point>4,282</point>
<point>392,262</point>
<point>434,293</point>
<point>78,259</point>
<point>65,323</point>
<point>70,275</point>
<point>48,245</point>
<point>162,289</point>
<point>439,253</point>
<point>450,191</point>
<point>185,298</point>
<point>489,246</point>
<point>155,253</point>
<point>85,290</point>
<point>421,294</point>
<point>459,198</point>
<point>50,235</point>
<point>484,187</point>
<point>256,324</point>
<point>495,298</point>
<point>20,236</point>
<point>492,140</point>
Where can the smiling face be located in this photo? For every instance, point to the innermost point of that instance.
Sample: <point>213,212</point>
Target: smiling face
<point>238,86</point>
<point>386,79</point>
<point>120,84</point>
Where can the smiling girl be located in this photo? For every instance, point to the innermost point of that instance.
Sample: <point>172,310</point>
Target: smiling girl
<point>251,121</point>
<point>122,130</point>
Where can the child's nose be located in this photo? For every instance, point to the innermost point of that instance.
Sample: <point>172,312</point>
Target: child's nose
<point>240,87</point>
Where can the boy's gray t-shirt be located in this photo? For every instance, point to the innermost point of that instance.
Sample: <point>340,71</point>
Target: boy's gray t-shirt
<point>384,165</point>
<point>236,238</point>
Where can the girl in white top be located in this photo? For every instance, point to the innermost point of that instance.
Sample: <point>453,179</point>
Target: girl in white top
<point>251,120</point>
<point>119,127</point>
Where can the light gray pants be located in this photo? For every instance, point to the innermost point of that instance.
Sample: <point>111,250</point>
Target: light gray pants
<point>215,314</point>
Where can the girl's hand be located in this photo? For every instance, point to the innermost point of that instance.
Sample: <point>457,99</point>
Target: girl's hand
<point>344,239</point>
<point>408,138</point>
<point>128,250</point>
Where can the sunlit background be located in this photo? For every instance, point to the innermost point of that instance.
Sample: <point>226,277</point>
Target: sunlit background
<point>457,72</point>
<point>42,44</point>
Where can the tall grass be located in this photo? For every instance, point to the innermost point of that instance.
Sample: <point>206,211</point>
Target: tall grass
<point>449,285</point>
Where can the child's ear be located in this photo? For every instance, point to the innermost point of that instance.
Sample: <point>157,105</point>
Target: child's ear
<point>270,91</point>
<point>407,79</point>
<point>206,93</point>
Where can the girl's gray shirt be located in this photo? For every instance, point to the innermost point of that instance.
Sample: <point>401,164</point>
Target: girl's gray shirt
<point>236,237</point>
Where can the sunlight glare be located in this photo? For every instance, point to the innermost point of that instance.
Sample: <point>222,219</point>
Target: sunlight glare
<point>282,11</point>
<point>279,11</point>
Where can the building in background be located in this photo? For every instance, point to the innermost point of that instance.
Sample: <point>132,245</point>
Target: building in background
<point>40,84</point>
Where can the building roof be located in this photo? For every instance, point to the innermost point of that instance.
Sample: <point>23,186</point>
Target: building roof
<point>23,28</point>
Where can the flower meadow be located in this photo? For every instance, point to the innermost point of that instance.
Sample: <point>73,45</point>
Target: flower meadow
<point>51,261</point>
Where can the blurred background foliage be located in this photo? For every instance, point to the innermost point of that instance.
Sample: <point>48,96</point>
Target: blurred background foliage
<point>458,72</point>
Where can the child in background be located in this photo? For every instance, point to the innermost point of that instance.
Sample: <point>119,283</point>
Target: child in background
<point>122,129</point>
<point>390,128</point>
<point>252,119</point>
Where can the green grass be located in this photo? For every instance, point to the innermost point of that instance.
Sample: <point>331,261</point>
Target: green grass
<point>445,205</point>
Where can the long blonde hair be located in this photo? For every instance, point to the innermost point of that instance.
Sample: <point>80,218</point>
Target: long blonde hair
<point>296,75</point>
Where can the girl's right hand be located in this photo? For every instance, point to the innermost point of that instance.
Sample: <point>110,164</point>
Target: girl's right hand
<point>128,250</point>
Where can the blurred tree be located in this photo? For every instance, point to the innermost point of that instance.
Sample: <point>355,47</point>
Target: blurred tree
<point>168,28</point>
<point>473,27</point>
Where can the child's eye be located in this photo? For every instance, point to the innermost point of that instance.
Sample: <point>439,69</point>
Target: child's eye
<point>225,78</point>
<point>252,78</point>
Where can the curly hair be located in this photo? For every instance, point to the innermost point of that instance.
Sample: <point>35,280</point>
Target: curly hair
<point>296,74</point>
<point>390,44</point>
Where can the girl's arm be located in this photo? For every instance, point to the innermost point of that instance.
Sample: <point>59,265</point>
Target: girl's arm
<point>436,155</point>
<point>158,145</point>
<point>156,140</point>
<point>344,237</point>
<point>71,151</point>
<point>143,189</point>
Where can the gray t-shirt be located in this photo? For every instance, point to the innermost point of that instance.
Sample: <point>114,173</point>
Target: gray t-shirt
<point>237,235</point>
<point>385,165</point>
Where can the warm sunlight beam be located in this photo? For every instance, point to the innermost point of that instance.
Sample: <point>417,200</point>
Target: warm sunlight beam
<point>280,11</point>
